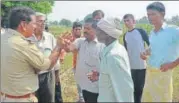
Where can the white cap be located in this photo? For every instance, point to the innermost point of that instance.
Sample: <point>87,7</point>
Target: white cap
<point>111,26</point>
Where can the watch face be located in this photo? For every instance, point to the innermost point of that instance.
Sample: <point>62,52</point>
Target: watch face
<point>47,52</point>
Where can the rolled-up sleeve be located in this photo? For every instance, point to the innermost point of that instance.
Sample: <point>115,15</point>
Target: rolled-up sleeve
<point>77,43</point>
<point>36,58</point>
<point>121,79</point>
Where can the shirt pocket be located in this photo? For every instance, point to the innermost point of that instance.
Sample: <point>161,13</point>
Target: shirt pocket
<point>47,48</point>
<point>47,52</point>
<point>93,59</point>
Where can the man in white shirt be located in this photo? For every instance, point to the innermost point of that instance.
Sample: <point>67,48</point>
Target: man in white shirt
<point>88,59</point>
<point>46,42</point>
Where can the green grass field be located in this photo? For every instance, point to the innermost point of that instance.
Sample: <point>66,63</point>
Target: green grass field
<point>69,89</point>
<point>57,30</point>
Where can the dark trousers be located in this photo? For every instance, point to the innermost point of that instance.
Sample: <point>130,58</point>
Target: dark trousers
<point>138,76</point>
<point>58,95</point>
<point>89,96</point>
<point>46,91</point>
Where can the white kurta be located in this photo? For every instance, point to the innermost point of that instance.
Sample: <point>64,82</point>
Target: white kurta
<point>115,81</point>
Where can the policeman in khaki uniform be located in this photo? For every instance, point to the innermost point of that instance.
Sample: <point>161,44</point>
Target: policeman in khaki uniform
<point>20,58</point>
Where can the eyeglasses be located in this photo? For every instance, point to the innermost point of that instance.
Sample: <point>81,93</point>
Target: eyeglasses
<point>42,21</point>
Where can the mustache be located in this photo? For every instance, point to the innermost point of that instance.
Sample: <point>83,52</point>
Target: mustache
<point>85,33</point>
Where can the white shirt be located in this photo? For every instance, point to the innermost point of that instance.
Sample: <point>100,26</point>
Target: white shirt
<point>46,45</point>
<point>87,60</point>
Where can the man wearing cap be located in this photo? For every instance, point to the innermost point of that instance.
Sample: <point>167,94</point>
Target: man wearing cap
<point>115,81</point>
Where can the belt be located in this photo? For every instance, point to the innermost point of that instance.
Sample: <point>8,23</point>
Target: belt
<point>18,97</point>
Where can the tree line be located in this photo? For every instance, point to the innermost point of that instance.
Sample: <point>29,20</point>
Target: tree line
<point>144,20</point>
<point>45,6</point>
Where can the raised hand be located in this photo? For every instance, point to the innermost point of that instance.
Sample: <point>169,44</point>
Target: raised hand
<point>68,36</point>
<point>63,40</point>
<point>167,66</point>
<point>145,54</point>
<point>60,42</point>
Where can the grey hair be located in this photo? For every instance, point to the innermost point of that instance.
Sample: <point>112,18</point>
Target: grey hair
<point>40,14</point>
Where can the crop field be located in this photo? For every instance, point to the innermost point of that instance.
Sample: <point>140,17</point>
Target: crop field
<point>69,89</point>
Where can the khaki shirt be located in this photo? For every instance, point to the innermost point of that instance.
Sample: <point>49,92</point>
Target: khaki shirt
<point>18,58</point>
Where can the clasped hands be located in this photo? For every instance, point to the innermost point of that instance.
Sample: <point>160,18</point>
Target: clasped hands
<point>93,75</point>
<point>64,40</point>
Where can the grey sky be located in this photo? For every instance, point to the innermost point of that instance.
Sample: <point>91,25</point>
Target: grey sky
<point>79,9</point>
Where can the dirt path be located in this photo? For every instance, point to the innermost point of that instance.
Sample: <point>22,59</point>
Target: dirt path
<point>68,86</point>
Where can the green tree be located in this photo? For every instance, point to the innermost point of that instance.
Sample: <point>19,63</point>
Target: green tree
<point>65,22</point>
<point>54,23</point>
<point>174,20</point>
<point>40,6</point>
<point>143,20</point>
<point>43,6</point>
<point>87,16</point>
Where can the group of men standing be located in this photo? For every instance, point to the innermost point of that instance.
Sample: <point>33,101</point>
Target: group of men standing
<point>104,69</point>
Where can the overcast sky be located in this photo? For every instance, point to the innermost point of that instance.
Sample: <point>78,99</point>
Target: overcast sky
<point>79,9</point>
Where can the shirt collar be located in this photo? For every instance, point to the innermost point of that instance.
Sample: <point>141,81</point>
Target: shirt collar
<point>14,32</point>
<point>164,25</point>
<point>43,37</point>
<point>109,47</point>
<point>95,40</point>
<point>31,39</point>
<point>34,38</point>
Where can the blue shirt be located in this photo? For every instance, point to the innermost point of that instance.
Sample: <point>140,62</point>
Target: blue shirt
<point>115,82</point>
<point>164,45</point>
